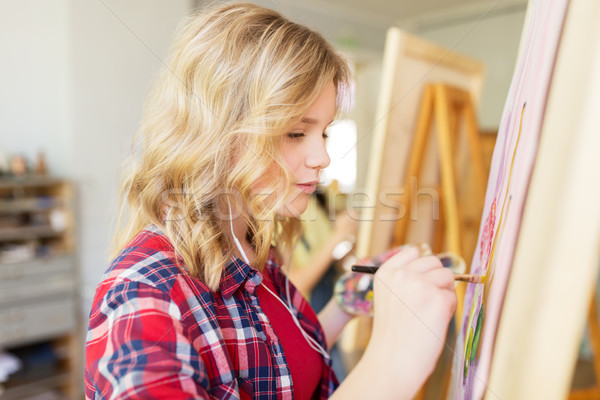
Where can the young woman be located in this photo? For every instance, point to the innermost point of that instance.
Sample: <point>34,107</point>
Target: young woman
<point>194,304</point>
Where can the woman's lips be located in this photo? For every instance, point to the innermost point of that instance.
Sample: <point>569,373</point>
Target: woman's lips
<point>307,187</point>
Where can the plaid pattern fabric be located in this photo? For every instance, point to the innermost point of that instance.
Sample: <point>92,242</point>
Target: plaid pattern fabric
<point>157,333</point>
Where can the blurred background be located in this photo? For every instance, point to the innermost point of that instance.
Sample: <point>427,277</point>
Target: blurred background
<point>74,76</point>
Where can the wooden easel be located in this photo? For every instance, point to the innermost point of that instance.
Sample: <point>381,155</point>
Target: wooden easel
<point>594,336</point>
<point>448,105</point>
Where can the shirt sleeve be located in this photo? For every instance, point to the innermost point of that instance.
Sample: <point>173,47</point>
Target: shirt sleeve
<point>137,348</point>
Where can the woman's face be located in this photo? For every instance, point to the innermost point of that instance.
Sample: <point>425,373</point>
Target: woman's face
<point>303,149</point>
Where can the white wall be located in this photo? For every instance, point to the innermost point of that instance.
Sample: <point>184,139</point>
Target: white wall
<point>342,26</point>
<point>116,50</point>
<point>74,76</point>
<point>34,79</point>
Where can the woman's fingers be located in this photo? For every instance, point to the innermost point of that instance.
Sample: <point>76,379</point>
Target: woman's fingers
<point>421,285</point>
<point>442,278</point>
<point>425,264</point>
<point>399,260</point>
<point>409,259</point>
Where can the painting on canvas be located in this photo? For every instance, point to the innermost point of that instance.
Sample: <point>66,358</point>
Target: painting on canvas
<point>512,164</point>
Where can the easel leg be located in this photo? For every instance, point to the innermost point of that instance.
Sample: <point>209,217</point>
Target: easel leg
<point>594,336</point>
<point>416,160</point>
<point>447,169</point>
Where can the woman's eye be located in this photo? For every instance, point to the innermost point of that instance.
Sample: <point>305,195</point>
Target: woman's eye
<point>295,135</point>
<point>325,136</point>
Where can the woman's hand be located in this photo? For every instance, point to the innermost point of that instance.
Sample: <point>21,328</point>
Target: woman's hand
<point>414,302</point>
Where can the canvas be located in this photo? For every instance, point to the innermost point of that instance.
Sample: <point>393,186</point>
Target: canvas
<point>512,164</point>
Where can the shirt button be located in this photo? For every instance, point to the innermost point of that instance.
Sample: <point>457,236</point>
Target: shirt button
<point>250,287</point>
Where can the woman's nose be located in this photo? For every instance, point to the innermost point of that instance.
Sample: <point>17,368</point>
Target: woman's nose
<point>317,156</point>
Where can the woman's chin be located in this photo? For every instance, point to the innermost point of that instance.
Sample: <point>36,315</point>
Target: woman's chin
<point>294,209</point>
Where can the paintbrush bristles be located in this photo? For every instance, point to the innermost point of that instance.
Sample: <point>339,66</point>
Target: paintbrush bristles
<point>469,278</point>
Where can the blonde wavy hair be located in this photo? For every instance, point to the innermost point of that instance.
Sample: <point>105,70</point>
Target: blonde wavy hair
<point>238,78</point>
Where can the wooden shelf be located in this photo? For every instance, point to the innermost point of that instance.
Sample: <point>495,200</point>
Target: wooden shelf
<point>38,285</point>
<point>35,387</point>
<point>28,233</point>
<point>31,181</point>
<point>32,204</point>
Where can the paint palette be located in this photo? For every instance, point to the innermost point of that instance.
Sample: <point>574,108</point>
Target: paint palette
<point>353,291</point>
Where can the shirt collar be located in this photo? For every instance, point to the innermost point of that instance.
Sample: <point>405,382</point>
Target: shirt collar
<point>235,275</point>
<point>238,273</point>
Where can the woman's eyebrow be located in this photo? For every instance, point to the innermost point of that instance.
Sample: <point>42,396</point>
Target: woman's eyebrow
<point>312,121</point>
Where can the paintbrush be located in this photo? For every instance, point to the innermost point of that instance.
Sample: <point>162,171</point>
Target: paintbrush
<point>447,261</point>
<point>471,278</point>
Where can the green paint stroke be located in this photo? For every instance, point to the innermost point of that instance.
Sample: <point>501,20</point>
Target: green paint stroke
<point>468,352</point>
<point>473,342</point>
<point>475,347</point>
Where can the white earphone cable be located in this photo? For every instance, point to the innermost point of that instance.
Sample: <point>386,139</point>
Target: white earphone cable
<point>310,340</point>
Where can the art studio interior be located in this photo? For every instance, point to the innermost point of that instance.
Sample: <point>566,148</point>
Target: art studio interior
<point>452,141</point>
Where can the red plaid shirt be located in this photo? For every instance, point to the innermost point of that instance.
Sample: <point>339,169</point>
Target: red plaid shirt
<point>157,333</point>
